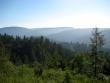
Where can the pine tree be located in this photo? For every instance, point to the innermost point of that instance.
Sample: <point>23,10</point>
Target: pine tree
<point>97,42</point>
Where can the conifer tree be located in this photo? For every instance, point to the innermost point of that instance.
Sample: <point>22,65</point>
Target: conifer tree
<point>97,43</point>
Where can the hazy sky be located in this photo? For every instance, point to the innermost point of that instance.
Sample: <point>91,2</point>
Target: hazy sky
<point>55,13</point>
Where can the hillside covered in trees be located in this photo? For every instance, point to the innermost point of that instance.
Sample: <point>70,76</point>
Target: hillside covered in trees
<point>39,60</point>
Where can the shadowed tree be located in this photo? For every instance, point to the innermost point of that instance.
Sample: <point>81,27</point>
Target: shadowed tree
<point>67,78</point>
<point>97,43</point>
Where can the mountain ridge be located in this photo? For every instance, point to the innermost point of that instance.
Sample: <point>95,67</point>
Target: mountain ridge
<point>62,34</point>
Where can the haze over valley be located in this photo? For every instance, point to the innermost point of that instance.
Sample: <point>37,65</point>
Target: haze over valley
<point>54,41</point>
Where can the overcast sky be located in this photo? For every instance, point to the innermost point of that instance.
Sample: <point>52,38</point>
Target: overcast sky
<point>55,13</point>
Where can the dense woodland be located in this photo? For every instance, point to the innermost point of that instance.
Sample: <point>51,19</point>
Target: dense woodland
<point>39,60</point>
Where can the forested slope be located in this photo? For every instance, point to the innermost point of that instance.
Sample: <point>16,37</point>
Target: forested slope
<point>39,60</point>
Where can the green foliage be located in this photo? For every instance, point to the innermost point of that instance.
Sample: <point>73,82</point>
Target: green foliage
<point>53,75</point>
<point>39,60</point>
<point>97,42</point>
<point>67,78</point>
<point>80,63</point>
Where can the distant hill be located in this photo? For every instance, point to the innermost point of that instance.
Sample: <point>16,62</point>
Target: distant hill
<point>14,31</point>
<point>73,35</point>
<point>59,34</point>
<point>79,35</point>
<point>21,31</point>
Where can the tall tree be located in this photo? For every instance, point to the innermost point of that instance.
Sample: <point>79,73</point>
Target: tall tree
<point>97,42</point>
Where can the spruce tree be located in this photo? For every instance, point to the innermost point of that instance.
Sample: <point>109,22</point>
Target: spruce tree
<point>97,43</point>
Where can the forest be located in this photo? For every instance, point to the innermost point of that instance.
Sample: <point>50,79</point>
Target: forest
<point>40,60</point>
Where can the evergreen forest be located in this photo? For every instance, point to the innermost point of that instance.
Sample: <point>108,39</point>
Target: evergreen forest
<point>40,60</point>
